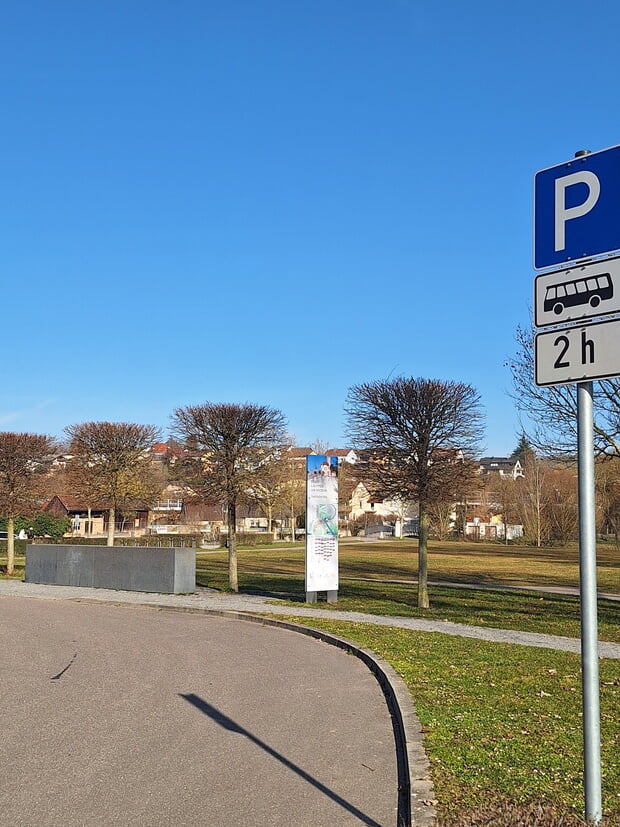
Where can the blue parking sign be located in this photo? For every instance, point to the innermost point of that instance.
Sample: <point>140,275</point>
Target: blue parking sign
<point>577,209</point>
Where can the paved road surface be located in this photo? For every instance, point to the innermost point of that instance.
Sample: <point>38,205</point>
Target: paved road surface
<point>119,715</point>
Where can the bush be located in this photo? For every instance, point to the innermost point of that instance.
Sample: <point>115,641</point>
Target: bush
<point>148,540</point>
<point>250,539</point>
<point>43,525</point>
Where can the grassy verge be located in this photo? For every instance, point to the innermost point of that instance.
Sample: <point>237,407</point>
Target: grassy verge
<point>488,564</point>
<point>281,576</point>
<point>502,723</point>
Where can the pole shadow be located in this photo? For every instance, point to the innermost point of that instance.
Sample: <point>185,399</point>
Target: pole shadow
<point>232,726</point>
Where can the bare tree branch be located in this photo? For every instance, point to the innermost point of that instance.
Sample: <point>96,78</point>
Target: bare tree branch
<point>552,410</point>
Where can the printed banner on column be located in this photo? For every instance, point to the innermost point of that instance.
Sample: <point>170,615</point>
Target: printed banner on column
<point>321,523</point>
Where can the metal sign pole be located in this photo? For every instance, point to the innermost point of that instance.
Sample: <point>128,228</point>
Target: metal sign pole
<point>589,623</point>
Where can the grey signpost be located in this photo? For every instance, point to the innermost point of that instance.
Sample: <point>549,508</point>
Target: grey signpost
<point>576,205</point>
<point>589,629</point>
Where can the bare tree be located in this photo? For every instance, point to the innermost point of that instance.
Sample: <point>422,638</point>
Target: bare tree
<point>347,483</point>
<point>561,500</point>
<point>319,446</point>
<point>502,499</point>
<point>420,436</point>
<point>24,460</point>
<point>533,500</point>
<point>80,480</point>
<point>233,449</point>
<point>440,517</point>
<point>272,490</point>
<point>295,498</point>
<point>112,463</point>
<point>552,411</point>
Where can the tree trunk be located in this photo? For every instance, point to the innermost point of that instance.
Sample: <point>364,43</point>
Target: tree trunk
<point>464,521</point>
<point>292,522</point>
<point>10,546</point>
<point>111,521</point>
<point>89,527</point>
<point>538,521</point>
<point>233,582</point>
<point>270,527</point>
<point>423,522</point>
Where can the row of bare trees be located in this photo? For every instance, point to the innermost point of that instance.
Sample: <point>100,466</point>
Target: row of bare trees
<point>409,430</point>
<point>543,501</point>
<point>108,465</point>
<point>419,438</point>
<point>234,452</point>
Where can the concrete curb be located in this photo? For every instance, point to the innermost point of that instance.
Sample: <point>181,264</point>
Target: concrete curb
<point>415,788</point>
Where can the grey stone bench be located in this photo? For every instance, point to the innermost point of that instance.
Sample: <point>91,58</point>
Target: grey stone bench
<point>132,568</point>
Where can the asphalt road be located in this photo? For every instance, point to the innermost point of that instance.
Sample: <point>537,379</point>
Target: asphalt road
<point>118,715</point>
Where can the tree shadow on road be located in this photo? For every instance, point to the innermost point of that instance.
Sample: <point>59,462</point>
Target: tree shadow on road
<point>232,726</point>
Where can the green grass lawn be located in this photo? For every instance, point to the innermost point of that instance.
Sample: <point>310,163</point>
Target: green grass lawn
<point>484,563</point>
<point>366,566</point>
<point>281,574</point>
<point>502,723</point>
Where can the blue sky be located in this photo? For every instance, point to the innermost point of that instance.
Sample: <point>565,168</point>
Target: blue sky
<point>270,201</point>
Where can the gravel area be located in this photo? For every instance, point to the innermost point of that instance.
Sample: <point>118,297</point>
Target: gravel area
<point>210,600</point>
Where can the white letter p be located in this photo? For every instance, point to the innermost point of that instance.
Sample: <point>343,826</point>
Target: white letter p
<point>564,213</point>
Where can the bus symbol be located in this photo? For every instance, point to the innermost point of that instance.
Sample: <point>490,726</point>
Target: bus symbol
<point>590,291</point>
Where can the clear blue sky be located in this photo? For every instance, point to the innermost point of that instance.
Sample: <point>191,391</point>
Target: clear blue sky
<point>269,201</point>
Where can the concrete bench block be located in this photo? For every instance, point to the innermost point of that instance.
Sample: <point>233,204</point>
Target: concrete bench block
<point>131,568</point>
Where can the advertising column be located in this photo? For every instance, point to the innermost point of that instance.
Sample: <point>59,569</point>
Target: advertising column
<point>321,527</point>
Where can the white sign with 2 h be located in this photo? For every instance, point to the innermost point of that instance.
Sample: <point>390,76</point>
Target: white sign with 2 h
<point>578,354</point>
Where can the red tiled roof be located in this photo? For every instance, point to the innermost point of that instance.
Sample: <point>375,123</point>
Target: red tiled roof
<point>300,452</point>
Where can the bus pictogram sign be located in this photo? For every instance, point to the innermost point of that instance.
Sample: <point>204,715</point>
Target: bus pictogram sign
<point>577,293</point>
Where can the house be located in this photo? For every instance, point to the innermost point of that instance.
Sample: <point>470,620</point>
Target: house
<point>159,451</point>
<point>364,502</point>
<point>95,522</point>
<point>198,515</point>
<point>297,453</point>
<point>494,529</point>
<point>504,466</point>
<point>344,455</point>
<point>207,517</point>
<point>250,519</point>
